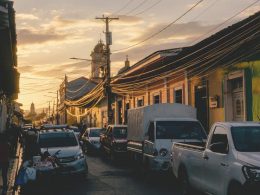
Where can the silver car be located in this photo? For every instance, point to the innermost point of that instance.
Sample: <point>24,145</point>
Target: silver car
<point>70,155</point>
<point>91,139</point>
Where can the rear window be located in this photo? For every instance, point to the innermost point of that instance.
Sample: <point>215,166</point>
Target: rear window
<point>94,132</point>
<point>120,132</point>
<point>179,130</point>
<point>50,140</point>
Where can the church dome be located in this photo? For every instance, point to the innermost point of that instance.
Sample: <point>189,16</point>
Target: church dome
<point>100,47</point>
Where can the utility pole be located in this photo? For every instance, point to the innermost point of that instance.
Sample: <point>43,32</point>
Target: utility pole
<point>49,110</point>
<point>65,98</point>
<point>57,114</point>
<point>52,117</point>
<point>107,85</point>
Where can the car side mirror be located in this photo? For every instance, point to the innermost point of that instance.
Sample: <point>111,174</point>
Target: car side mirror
<point>81,143</point>
<point>219,147</point>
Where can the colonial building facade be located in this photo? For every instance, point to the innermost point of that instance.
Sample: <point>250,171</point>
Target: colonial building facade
<point>219,76</point>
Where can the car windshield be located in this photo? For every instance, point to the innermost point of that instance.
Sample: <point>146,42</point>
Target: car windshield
<point>94,133</point>
<point>120,132</point>
<point>50,140</point>
<point>179,130</point>
<point>246,139</point>
<point>75,129</point>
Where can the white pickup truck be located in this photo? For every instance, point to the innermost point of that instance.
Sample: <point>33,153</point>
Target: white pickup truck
<point>229,164</point>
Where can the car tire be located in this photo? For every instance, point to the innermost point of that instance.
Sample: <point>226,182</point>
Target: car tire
<point>145,166</point>
<point>84,176</point>
<point>235,188</point>
<point>84,148</point>
<point>112,156</point>
<point>184,182</point>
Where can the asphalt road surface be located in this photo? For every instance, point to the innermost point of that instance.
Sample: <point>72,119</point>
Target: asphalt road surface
<point>109,178</point>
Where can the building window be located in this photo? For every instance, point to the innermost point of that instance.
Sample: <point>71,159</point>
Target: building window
<point>178,96</point>
<point>140,102</point>
<point>156,99</point>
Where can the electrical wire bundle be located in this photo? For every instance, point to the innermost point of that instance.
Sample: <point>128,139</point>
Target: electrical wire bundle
<point>199,62</point>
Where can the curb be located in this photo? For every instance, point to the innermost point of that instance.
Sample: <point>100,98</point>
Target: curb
<point>14,171</point>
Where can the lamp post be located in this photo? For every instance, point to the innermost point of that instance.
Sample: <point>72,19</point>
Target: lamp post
<point>81,59</point>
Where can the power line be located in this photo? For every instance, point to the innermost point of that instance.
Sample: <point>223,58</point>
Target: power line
<point>135,8</point>
<point>200,58</point>
<point>153,35</point>
<point>122,8</point>
<point>203,47</point>
<point>221,24</point>
<point>148,8</point>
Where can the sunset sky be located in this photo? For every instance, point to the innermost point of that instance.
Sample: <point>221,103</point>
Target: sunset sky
<point>52,31</point>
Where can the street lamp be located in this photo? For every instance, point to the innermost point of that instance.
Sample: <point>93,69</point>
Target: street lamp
<point>82,59</point>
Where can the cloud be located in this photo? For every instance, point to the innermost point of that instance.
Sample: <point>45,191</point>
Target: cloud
<point>29,36</point>
<point>56,29</point>
<point>190,29</point>
<point>58,70</point>
<point>128,20</point>
<point>178,35</point>
<point>26,17</point>
<point>25,68</point>
<point>249,12</point>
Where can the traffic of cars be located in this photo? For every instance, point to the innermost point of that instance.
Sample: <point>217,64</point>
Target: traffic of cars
<point>167,138</point>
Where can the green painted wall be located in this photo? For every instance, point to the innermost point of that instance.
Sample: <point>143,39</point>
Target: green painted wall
<point>254,68</point>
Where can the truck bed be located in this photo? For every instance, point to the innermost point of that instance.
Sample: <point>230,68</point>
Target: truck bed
<point>192,145</point>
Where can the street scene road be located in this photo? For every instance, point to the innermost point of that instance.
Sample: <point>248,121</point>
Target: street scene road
<point>109,178</point>
<point>149,97</point>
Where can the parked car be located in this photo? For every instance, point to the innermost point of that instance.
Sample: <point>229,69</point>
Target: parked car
<point>114,140</point>
<point>76,130</point>
<point>153,129</point>
<point>91,139</point>
<point>51,126</point>
<point>70,156</point>
<point>229,164</point>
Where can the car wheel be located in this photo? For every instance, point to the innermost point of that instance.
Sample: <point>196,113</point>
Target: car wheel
<point>145,166</point>
<point>102,150</point>
<point>84,148</point>
<point>235,188</point>
<point>112,156</point>
<point>184,182</point>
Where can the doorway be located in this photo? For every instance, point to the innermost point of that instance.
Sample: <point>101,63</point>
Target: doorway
<point>235,96</point>
<point>237,99</point>
<point>201,103</point>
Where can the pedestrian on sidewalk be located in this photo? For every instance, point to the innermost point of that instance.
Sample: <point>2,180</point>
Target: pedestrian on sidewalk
<point>4,159</point>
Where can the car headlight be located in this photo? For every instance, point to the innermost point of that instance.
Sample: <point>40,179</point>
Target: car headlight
<point>155,152</point>
<point>79,156</point>
<point>163,152</point>
<point>251,173</point>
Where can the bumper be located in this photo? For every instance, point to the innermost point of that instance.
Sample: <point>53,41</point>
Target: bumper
<point>93,146</point>
<point>160,164</point>
<point>75,167</point>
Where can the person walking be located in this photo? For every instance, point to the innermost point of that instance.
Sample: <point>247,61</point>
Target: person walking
<point>4,160</point>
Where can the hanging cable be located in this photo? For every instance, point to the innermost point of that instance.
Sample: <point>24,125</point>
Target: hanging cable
<point>135,8</point>
<point>226,21</point>
<point>163,29</point>
<point>148,8</point>
<point>122,8</point>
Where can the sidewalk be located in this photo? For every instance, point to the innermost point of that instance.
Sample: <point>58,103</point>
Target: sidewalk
<point>12,172</point>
